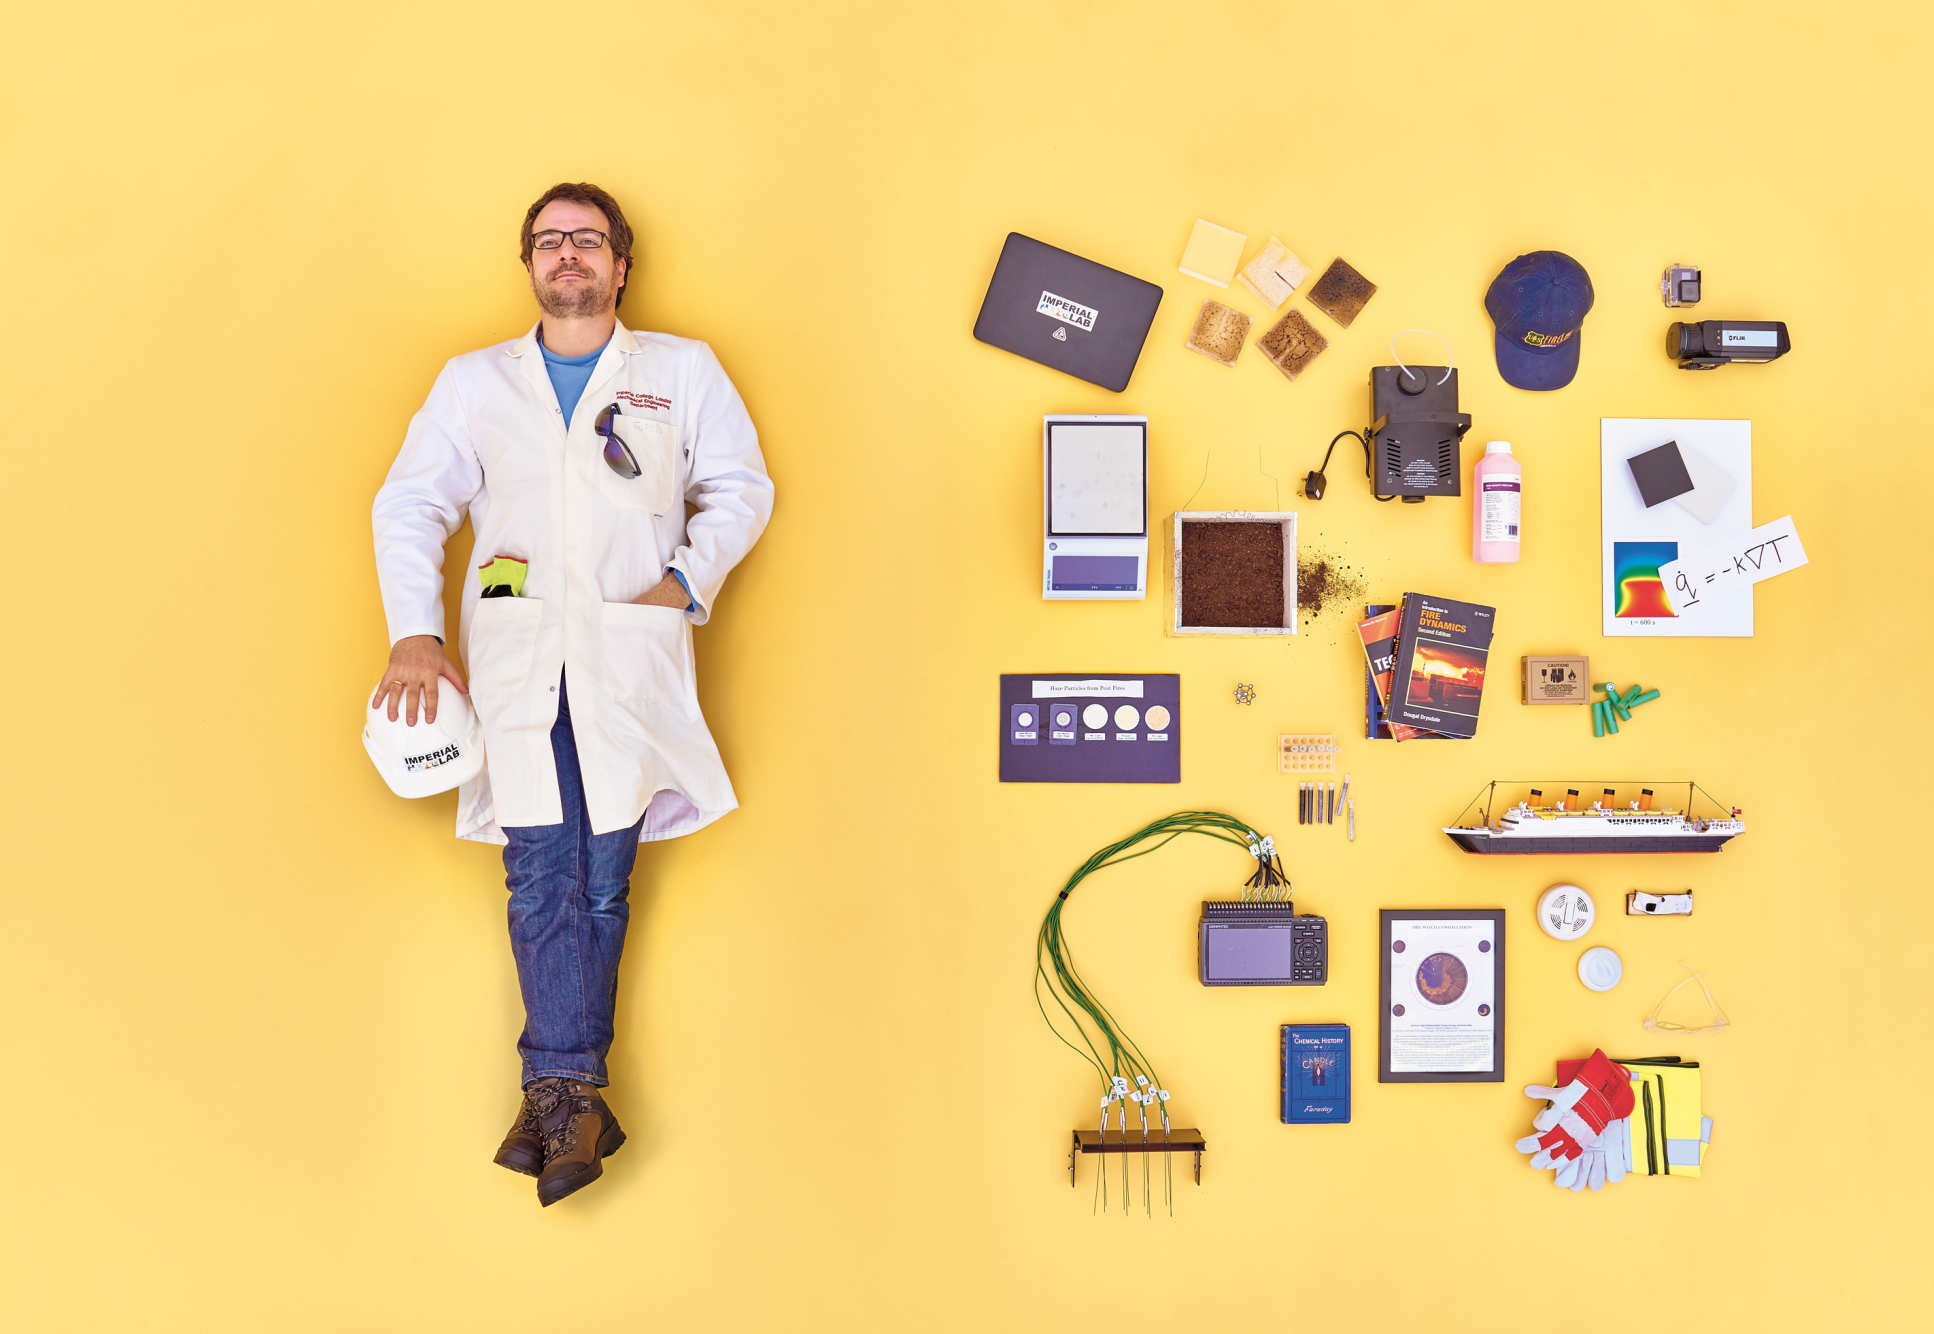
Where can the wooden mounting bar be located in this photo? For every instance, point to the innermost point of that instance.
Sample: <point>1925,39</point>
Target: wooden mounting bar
<point>1132,1141</point>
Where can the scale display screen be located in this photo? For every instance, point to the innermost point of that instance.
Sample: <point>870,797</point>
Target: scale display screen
<point>1096,574</point>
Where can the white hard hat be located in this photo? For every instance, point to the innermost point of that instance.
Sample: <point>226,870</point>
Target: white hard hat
<point>430,757</point>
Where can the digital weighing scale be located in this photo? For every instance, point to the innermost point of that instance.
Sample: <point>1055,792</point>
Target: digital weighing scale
<point>1094,493</point>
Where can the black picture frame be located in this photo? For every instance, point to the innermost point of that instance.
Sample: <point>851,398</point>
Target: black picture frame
<point>1389,917</point>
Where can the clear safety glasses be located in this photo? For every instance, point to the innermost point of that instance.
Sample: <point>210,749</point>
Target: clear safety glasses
<point>1656,1022</point>
<point>616,452</point>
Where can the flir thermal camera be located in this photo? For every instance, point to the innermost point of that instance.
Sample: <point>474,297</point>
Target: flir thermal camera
<point>1709,343</point>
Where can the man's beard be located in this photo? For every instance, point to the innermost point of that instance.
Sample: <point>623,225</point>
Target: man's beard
<point>563,300</point>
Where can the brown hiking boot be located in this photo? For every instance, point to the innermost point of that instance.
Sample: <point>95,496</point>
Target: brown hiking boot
<point>523,1148</point>
<point>579,1132</point>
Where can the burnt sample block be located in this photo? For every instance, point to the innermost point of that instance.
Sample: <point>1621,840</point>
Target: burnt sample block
<point>1219,332</point>
<point>1291,344</point>
<point>1273,274</point>
<point>1342,292</point>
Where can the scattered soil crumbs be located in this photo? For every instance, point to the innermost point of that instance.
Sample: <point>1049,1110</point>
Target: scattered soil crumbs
<point>1326,583</point>
<point>1232,575</point>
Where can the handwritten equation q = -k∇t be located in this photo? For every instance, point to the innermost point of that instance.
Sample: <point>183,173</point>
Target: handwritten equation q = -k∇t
<point>1717,570</point>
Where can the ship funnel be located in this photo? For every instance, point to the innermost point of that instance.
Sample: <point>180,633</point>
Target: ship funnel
<point>1645,798</point>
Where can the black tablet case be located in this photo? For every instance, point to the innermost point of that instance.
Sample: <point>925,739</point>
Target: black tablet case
<point>1100,320</point>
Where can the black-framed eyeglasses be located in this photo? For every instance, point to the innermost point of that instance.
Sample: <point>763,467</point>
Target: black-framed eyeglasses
<point>616,452</point>
<point>585,238</point>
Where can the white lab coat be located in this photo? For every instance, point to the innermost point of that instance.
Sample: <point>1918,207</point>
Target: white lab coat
<point>491,442</point>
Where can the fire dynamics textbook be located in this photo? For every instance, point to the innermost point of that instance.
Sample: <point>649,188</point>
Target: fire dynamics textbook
<point>1437,679</point>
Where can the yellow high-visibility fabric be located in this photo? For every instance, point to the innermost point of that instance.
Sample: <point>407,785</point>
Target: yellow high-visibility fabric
<point>1668,1104</point>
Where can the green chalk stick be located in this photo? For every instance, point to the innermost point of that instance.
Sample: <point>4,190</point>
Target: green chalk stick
<point>1611,718</point>
<point>1598,718</point>
<point>1642,699</point>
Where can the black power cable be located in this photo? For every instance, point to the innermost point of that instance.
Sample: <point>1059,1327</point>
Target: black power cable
<point>1314,483</point>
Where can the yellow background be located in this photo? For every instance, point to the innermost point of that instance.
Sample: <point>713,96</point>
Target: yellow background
<point>260,1013</point>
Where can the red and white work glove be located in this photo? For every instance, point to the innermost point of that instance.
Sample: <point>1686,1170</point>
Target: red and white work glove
<point>1578,1130</point>
<point>1607,1162</point>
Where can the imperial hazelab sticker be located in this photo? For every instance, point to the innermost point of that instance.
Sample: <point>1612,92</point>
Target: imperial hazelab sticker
<point>1068,312</point>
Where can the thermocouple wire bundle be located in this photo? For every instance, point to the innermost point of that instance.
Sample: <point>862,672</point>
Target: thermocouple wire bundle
<point>1125,1064</point>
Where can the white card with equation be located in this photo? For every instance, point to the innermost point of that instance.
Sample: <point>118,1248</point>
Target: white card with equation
<point>1717,573</point>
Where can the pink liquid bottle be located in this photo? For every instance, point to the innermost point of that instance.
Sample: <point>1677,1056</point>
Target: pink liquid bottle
<point>1497,490</point>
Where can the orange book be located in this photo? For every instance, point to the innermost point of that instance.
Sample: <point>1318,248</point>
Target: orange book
<point>1379,635</point>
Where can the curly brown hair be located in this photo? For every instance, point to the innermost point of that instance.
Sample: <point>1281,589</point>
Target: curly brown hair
<point>583,192</point>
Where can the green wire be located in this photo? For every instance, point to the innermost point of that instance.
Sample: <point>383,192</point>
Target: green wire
<point>1054,961</point>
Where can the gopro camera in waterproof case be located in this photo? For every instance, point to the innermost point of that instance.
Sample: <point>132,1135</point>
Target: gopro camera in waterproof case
<point>1709,343</point>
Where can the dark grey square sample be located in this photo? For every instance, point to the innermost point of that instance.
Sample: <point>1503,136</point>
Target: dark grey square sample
<point>1660,473</point>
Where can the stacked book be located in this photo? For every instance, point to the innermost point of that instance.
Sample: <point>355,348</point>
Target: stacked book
<point>1426,660</point>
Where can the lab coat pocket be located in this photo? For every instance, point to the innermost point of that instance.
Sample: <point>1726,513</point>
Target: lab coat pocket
<point>648,653</point>
<point>502,652</point>
<point>654,444</point>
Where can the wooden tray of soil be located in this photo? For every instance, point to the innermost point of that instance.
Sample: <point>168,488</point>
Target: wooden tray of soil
<point>1234,573</point>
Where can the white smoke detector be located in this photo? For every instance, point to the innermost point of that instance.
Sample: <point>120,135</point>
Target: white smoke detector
<point>1566,912</point>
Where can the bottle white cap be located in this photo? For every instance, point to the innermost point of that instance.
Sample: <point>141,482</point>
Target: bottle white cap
<point>1497,447</point>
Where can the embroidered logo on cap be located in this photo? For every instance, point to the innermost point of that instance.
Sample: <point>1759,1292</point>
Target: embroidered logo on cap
<point>1535,339</point>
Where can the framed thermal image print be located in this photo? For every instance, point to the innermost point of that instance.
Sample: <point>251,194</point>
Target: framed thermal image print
<point>1442,992</point>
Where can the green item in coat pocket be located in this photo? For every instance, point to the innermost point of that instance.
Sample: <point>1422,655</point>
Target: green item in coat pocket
<point>503,576</point>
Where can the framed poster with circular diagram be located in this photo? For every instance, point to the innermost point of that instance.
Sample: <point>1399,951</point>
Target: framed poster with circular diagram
<point>1442,995</point>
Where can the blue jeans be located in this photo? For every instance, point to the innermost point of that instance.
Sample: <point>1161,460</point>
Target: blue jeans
<point>568,911</point>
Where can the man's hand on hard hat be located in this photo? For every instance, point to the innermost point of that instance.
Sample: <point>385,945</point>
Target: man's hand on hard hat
<point>415,664</point>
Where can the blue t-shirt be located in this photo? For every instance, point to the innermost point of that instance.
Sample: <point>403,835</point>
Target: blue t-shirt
<point>569,375</point>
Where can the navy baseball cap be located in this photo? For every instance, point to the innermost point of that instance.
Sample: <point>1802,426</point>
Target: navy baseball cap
<point>1538,305</point>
